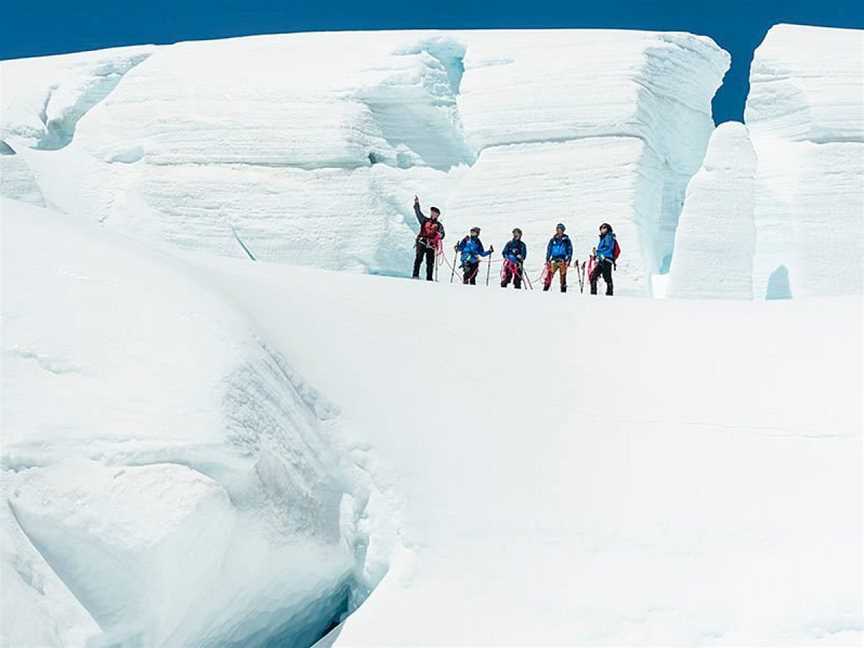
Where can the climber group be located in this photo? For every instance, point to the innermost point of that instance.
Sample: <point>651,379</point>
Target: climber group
<point>559,254</point>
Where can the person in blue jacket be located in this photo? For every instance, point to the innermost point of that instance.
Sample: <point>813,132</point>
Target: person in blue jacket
<point>514,256</point>
<point>604,254</point>
<point>471,248</point>
<point>559,252</point>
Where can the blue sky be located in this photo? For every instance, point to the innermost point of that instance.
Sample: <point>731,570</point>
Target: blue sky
<point>51,27</point>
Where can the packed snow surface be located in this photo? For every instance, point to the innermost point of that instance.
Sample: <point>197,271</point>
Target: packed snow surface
<point>312,146</point>
<point>515,473</point>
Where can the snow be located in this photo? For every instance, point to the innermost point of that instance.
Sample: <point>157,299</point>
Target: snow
<point>319,167</point>
<point>43,98</point>
<point>16,178</point>
<point>716,233</point>
<point>230,458</point>
<point>175,473</point>
<point>607,127</point>
<point>803,193</point>
<point>805,113</point>
<point>201,450</point>
<point>563,483</point>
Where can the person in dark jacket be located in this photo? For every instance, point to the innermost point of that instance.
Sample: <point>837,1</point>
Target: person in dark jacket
<point>514,256</point>
<point>428,239</point>
<point>604,255</point>
<point>471,248</point>
<point>559,252</point>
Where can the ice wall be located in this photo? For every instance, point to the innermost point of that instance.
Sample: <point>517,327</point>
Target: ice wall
<point>603,126</point>
<point>43,98</point>
<point>312,145</point>
<point>805,121</point>
<point>716,234</point>
<point>805,113</point>
<point>170,479</point>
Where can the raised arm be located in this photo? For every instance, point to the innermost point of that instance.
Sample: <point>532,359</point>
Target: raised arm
<point>421,218</point>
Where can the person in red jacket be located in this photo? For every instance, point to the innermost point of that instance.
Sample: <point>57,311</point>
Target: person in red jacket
<point>428,239</point>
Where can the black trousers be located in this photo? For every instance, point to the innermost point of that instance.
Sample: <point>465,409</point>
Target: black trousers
<point>429,253</point>
<point>602,268</point>
<point>469,273</point>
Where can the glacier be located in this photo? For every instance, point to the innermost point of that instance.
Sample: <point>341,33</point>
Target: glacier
<point>805,122</point>
<point>477,123</point>
<point>185,486</point>
<point>179,468</point>
<point>202,450</point>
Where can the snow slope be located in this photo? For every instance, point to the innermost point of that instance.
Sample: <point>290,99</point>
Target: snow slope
<point>671,477</point>
<point>805,120</point>
<point>315,157</point>
<point>168,475</point>
<point>520,475</point>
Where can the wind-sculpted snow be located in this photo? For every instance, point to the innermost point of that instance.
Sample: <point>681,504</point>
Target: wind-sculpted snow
<point>805,119</point>
<point>671,477</point>
<point>181,485</point>
<point>312,146</point>
<point>805,114</point>
<point>609,125</point>
<point>714,255</point>
<point>43,98</point>
<point>807,85</point>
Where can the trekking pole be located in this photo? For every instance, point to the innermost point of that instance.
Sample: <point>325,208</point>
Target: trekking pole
<point>453,267</point>
<point>488,269</point>
<point>525,276</point>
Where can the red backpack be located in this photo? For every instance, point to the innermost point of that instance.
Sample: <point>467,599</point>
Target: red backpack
<point>616,252</point>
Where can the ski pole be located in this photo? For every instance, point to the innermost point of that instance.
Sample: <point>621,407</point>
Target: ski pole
<point>453,267</point>
<point>488,269</point>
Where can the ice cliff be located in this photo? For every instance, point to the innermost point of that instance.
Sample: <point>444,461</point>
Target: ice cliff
<point>805,199</point>
<point>312,145</point>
